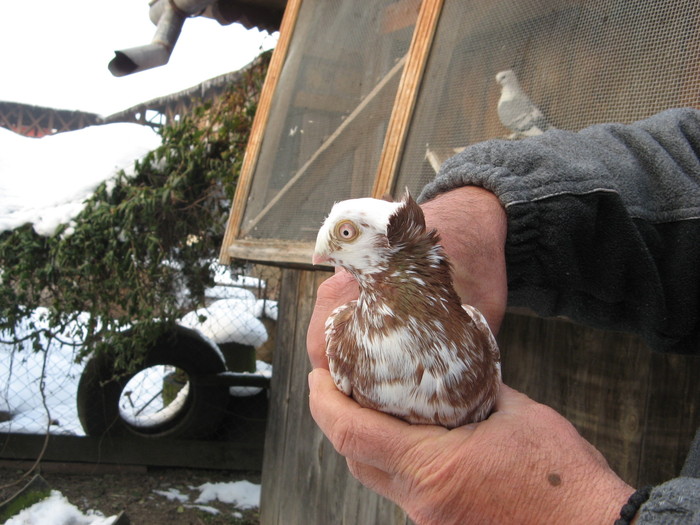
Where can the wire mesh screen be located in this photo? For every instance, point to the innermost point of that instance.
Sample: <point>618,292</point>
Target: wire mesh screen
<point>45,390</point>
<point>329,114</point>
<point>580,62</point>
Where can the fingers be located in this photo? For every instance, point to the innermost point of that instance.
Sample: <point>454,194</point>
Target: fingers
<point>371,477</point>
<point>334,413</point>
<point>335,291</point>
<point>361,434</point>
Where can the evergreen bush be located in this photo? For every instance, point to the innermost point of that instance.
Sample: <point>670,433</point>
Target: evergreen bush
<point>139,254</point>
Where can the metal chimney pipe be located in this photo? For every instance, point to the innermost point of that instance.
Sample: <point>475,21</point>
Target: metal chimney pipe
<point>169,16</point>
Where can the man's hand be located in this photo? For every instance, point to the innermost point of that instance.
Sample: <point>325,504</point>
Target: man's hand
<point>524,464</point>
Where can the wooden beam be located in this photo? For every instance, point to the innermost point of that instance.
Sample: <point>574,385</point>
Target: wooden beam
<point>262,115</point>
<point>134,451</point>
<point>282,253</point>
<point>406,96</point>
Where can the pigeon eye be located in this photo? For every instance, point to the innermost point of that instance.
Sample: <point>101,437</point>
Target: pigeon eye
<point>346,231</point>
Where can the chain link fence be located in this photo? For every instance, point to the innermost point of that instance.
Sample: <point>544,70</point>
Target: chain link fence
<point>187,387</point>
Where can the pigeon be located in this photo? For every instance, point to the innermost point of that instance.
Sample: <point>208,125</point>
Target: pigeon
<point>406,346</point>
<point>515,109</point>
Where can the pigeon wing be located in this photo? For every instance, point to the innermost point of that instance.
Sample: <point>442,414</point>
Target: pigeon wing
<point>341,348</point>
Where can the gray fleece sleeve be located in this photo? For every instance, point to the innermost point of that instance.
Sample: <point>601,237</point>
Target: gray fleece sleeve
<point>676,502</point>
<point>603,224</point>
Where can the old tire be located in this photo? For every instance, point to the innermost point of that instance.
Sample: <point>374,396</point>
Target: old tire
<point>200,413</point>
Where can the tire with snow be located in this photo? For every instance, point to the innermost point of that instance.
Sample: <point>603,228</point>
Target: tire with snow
<point>200,405</point>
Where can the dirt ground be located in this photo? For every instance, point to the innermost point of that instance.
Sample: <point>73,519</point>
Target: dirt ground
<point>112,490</point>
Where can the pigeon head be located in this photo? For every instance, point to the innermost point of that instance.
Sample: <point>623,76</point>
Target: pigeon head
<point>507,78</point>
<point>361,235</point>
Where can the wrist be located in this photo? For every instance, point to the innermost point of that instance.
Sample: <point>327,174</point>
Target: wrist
<point>472,225</point>
<point>598,500</point>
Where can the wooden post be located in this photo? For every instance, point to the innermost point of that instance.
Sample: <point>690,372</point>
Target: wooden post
<point>406,95</point>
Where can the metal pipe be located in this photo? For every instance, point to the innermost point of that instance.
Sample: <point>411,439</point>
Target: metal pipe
<point>169,16</point>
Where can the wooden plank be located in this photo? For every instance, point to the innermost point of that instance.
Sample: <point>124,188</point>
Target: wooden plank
<point>638,407</point>
<point>406,96</point>
<point>276,431</point>
<point>672,416</point>
<point>62,467</point>
<point>595,379</point>
<point>257,131</point>
<point>301,473</point>
<point>283,253</point>
<point>132,451</point>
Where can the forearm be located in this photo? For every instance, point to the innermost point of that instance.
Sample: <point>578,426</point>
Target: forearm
<point>472,226</point>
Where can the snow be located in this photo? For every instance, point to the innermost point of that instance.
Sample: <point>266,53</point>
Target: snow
<point>266,308</point>
<point>143,406</point>
<point>20,381</point>
<point>243,494</point>
<point>173,495</point>
<point>45,181</point>
<point>229,321</point>
<point>205,508</point>
<point>57,510</point>
<point>261,368</point>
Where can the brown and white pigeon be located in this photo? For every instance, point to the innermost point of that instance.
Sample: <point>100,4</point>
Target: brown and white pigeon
<point>406,346</point>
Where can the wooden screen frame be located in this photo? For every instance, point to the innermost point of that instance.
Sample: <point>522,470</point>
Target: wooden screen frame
<point>296,253</point>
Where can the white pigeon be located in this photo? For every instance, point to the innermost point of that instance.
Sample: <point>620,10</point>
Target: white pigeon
<point>515,109</point>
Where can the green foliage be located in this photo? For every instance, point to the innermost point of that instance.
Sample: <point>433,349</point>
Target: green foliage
<point>139,254</point>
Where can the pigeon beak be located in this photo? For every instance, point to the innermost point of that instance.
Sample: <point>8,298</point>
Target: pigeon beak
<point>321,249</point>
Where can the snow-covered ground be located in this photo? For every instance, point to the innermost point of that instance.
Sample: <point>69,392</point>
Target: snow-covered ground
<point>57,510</point>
